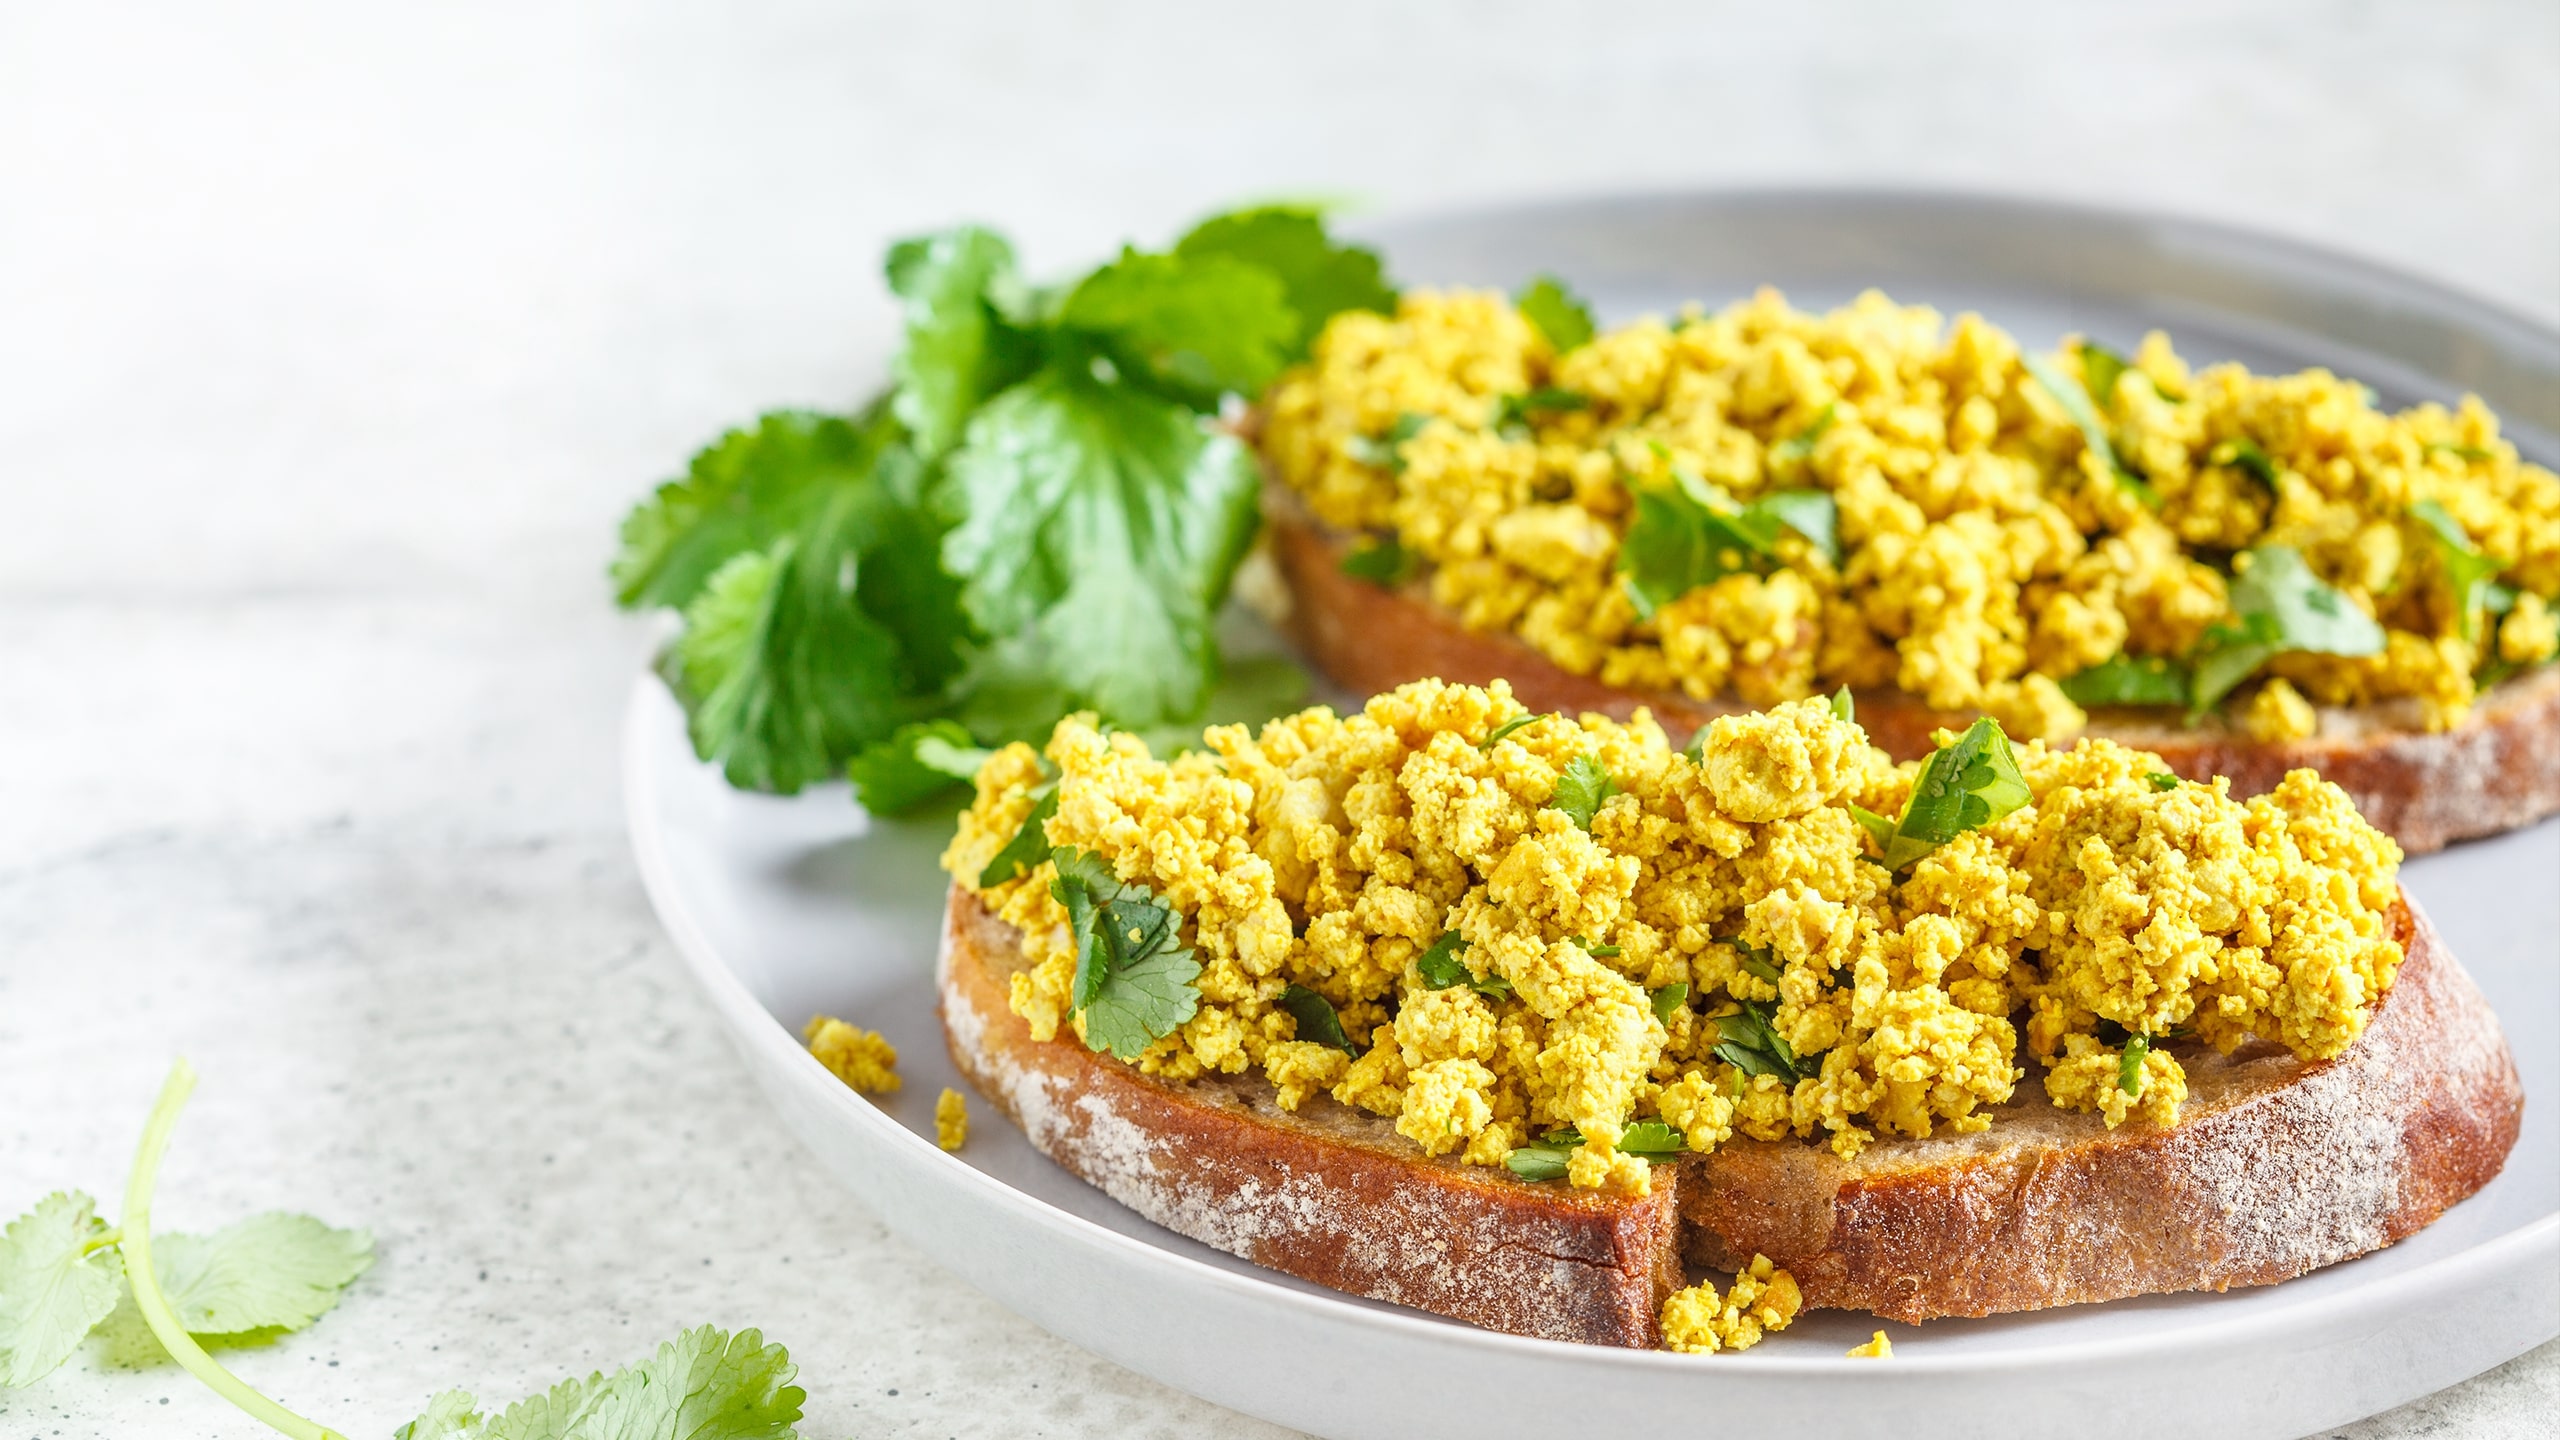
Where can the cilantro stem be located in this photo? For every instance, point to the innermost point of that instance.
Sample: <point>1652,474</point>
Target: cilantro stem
<point>101,1240</point>
<point>147,1296</point>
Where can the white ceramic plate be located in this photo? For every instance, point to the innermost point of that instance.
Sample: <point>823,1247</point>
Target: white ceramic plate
<point>788,907</point>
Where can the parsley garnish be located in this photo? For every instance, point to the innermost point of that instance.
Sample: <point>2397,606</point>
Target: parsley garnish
<point>1383,561</point>
<point>1441,968</point>
<point>917,767</point>
<point>1690,533</point>
<point>2129,1068</point>
<point>1582,789</point>
<point>1386,452</point>
<point>2130,680</point>
<point>1316,1018</point>
<point>1749,1042</point>
<point>1516,722</point>
<point>1558,313</point>
<point>2163,781</point>
<point>1134,976</point>
<point>2469,573</point>
<point>1965,784</point>
<point>2278,607</point>
<point>1029,845</point>
<point>1649,1140</point>
<point>2093,431</point>
<point>2247,455</point>
<point>1796,449</point>
<point>1668,1000</point>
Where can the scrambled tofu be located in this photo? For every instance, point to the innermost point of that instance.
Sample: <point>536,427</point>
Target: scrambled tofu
<point>1718,911</point>
<point>1762,1301</point>
<point>1984,553</point>
<point>863,1059</point>
<point>1879,1348</point>
<point>950,1120</point>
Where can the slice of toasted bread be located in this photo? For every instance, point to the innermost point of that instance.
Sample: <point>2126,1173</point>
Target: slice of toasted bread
<point>2280,1167</point>
<point>2496,771</point>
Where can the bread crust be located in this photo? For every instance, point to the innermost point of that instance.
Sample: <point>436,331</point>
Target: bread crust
<point>1328,1194</point>
<point>2280,1167</point>
<point>2498,770</point>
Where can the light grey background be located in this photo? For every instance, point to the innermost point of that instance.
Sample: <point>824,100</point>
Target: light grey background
<point>333,342</point>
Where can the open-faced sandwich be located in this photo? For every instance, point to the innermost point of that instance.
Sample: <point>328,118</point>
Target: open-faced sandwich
<point>1509,1016</point>
<point>2242,574</point>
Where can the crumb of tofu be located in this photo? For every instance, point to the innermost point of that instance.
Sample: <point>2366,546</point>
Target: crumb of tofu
<point>860,1058</point>
<point>951,1120</point>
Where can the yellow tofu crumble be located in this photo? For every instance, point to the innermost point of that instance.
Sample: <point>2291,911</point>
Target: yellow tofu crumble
<point>1985,552</point>
<point>1762,1301</point>
<point>1613,970</point>
<point>1879,1348</point>
<point>860,1058</point>
<point>951,1120</point>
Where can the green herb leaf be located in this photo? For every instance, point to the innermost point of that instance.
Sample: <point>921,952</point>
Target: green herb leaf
<point>2469,574</point>
<point>1029,845</point>
<point>1316,1018</point>
<point>1668,1000</point>
<point>955,288</point>
<point>1797,449</point>
<point>2473,453</point>
<point>917,767</point>
<point>2104,368</point>
<point>2279,607</point>
<point>1100,527</point>
<point>1193,326</point>
<point>2130,680</point>
<point>1517,722</point>
<point>1514,414</point>
<point>2163,781</point>
<point>1135,979</point>
<point>704,1385</point>
<point>1874,824</point>
<point>53,1287</point>
<point>1649,1140</point>
<point>1582,789</point>
<point>1965,784</point>
<point>1539,1162</point>
<point>1812,514</point>
<point>1749,1042</point>
<point>1320,276</point>
<point>1755,959</point>
<point>1690,533</point>
<point>268,1272</point>
<point>1844,706</point>
<point>2129,1068</point>
<point>2093,432</point>
<point>2247,455</point>
<point>1595,949</point>
<point>741,493</point>
<point>1558,313</point>
<point>1384,561</point>
<point>1441,968</point>
<point>1386,452</point>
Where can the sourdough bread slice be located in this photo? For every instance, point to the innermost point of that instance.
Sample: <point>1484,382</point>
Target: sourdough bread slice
<point>2280,1167</point>
<point>2498,770</point>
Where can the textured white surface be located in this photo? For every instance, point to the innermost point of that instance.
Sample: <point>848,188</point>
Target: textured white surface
<point>336,340</point>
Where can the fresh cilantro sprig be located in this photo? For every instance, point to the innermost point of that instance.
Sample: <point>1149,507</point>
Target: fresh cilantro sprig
<point>1513,415</point>
<point>2130,680</point>
<point>1690,533</point>
<point>1383,561</point>
<point>1317,1019</point>
<point>1796,449</point>
<point>2278,607</point>
<point>917,768</point>
<point>1965,784</point>
<point>1581,789</point>
<point>2129,1074</point>
<point>1386,452</point>
<point>1135,980</point>
<point>2093,431</point>
<point>2106,369</point>
<point>1748,1040</point>
<point>2470,574</point>
<point>1666,1002</point>
<point>706,1384</point>
<point>1511,726</point>
<point>1649,1140</point>
<point>1558,313</point>
<point>1441,968</point>
<point>2248,457</point>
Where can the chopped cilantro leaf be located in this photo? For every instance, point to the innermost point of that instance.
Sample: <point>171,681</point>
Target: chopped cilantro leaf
<point>955,288</point>
<point>1797,449</point>
<point>1812,514</point>
<point>1099,526</point>
<point>1538,1162</point>
<point>1755,959</point>
<point>2473,453</point>
<point>2279,607</point>
<point>2469,574</point>
<point>1383,561</point>
<point>1668,1000</point>
<point>2103,367</point>
<point>1595,949</point>
<point>917,767</point>
<point>1316,1018</point>
<point>2162,780</point>
<point>1844,706</point>
<point>2129,1068</point>
<point>1517,722</point>
<point>1134,978</point>
<point>1319,276</point>
<point>2093,432</point>
<point>1690,533</point>
<point>1441,968</point>
<point>1029,845</point>
<point>1559,314</point>
<point>54,1285</point>
<point>2245,454</point>
<point>1747,1041</point>
<point>1514,414</point>
<point>1192,326</point>
<point>1965,784</point>
<point>1582,789</point>
<point>2129,680</point>
<point>1386,452</point>
<point>1649,1140</point>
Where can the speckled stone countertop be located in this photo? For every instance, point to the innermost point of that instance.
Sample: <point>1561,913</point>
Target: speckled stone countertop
<point>337,340</point>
